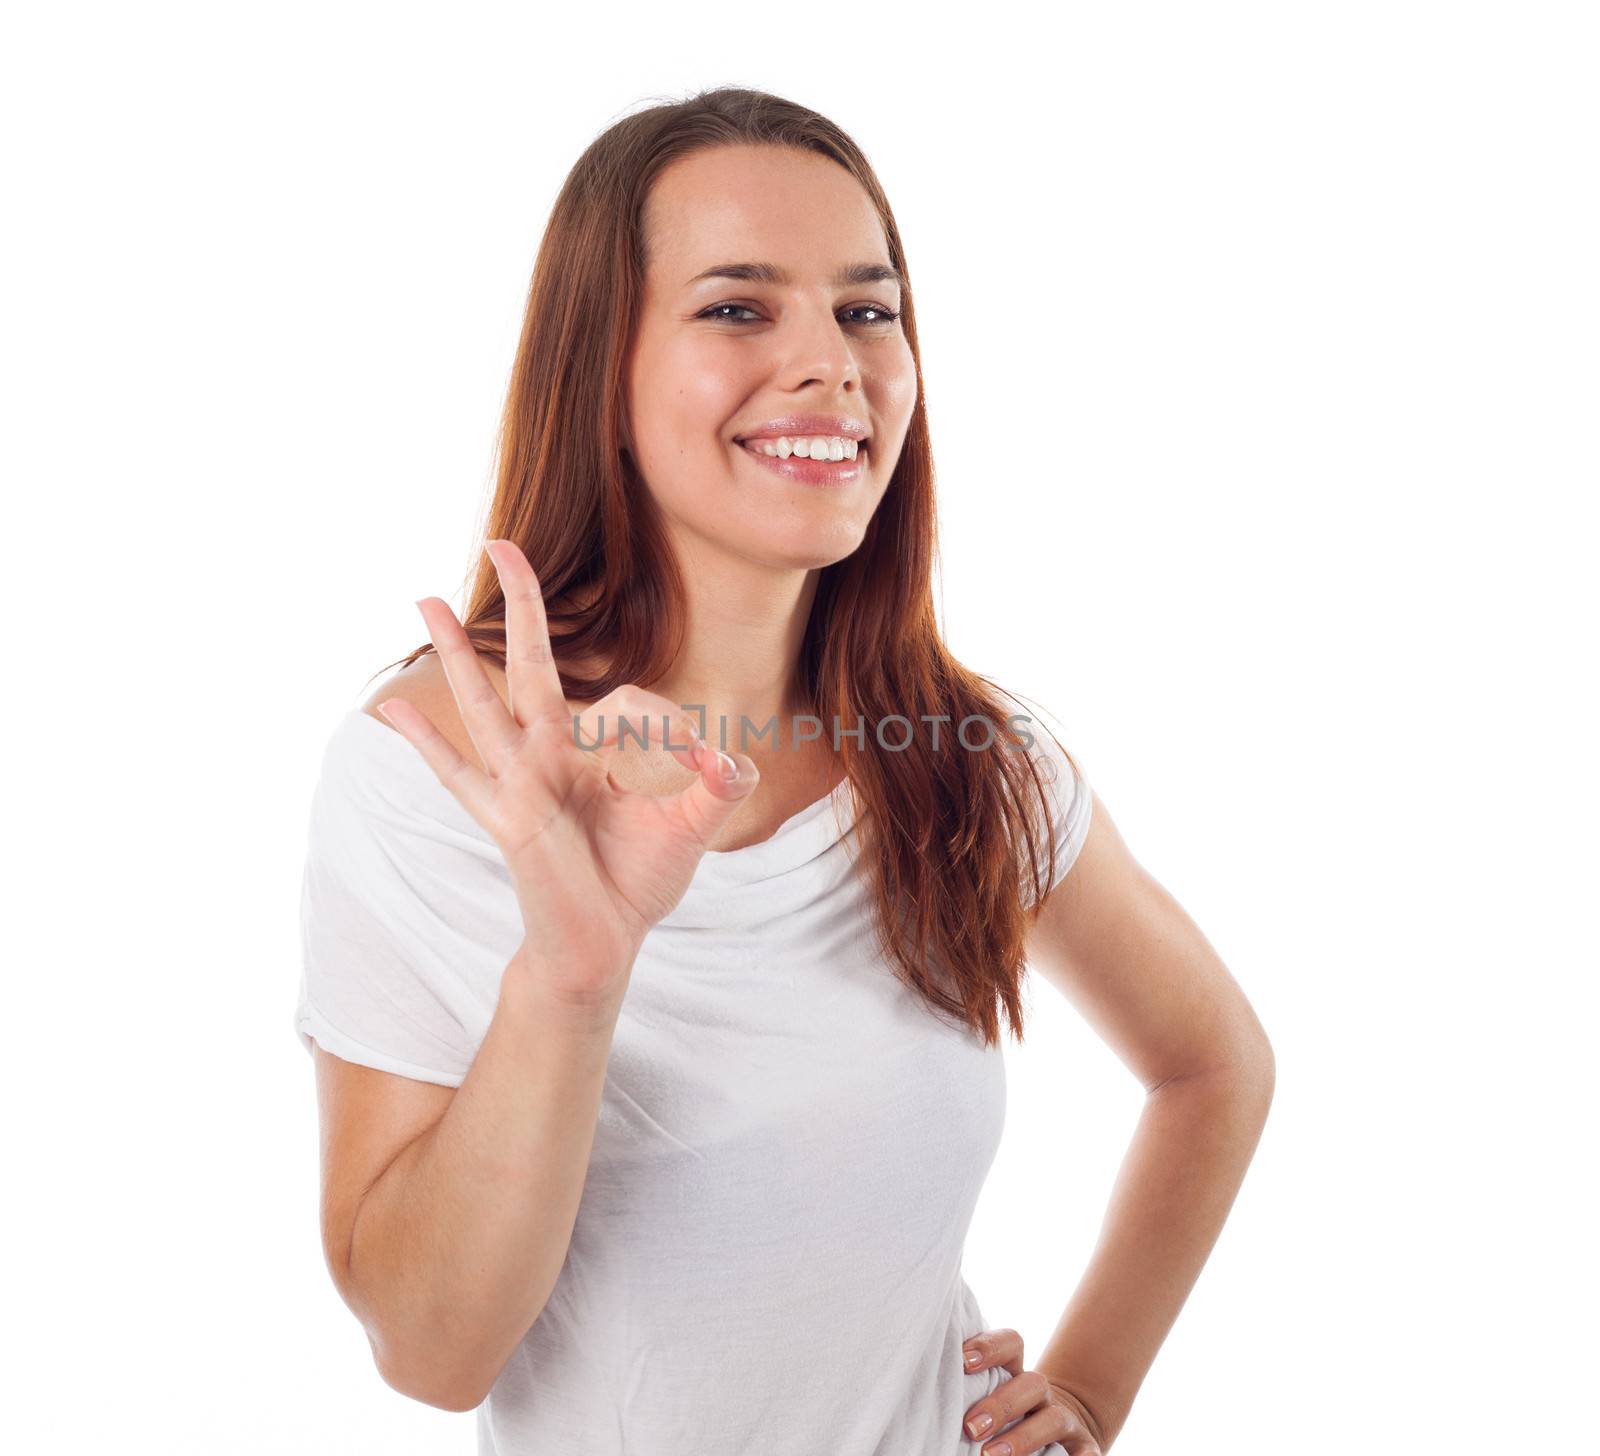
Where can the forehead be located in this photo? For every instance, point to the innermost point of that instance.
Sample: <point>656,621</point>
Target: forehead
<point>779,205</point>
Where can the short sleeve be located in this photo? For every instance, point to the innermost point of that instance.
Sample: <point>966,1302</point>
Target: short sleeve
<point>1067,794</point>
<point>408,915</point>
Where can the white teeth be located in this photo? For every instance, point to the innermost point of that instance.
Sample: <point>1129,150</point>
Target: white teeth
<point>808,447</point>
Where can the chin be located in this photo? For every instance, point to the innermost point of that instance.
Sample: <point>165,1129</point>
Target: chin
<point>792,534</point>
<point>797,548</point>
<point>812,562</point>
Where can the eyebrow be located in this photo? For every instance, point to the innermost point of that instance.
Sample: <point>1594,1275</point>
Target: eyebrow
<point>853,276</point>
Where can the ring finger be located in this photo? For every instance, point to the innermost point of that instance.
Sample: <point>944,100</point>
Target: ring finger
<point>492,729</point>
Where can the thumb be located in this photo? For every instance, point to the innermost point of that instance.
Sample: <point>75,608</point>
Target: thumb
<point>725,781</point>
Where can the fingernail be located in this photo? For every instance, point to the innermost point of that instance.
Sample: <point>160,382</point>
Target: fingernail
<point>726,767</point>
<point>974,1357</point>
<point>979,1424</point>
<point>1002,1448</point>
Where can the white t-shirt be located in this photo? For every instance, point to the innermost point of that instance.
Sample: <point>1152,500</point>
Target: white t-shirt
<point>767,1254</point>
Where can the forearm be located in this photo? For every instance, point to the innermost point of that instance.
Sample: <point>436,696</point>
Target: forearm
<point>456,1248</point>
<point>1178,1180</point>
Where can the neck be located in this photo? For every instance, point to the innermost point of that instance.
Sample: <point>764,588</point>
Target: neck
<point>746,621</point>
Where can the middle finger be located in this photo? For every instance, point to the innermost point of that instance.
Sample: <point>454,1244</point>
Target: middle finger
<point>531,675</point>
<point>1008,1401</point>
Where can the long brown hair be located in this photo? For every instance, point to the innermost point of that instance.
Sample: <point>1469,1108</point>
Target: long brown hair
<point>943,828</point>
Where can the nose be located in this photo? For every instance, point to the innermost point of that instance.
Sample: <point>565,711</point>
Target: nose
<point>820,352</point>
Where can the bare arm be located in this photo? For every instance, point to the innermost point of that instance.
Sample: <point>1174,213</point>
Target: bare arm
<point>447,1213</point>
<point>450,1255</point>
<point>1125,953</point>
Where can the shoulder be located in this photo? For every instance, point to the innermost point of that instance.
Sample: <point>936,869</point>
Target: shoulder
<point>1041,734</point>
<point>1067,797</point>
<point>375,794</point>
<point>425,686</point>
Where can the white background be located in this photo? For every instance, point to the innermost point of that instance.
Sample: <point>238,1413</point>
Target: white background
<point>1260,345</point>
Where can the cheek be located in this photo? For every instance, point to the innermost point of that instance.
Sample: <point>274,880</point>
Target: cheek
<point>688,396</point>
<point>698,386</point>
<point>891,383</point>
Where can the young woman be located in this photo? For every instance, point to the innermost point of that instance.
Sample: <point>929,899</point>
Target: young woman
<point>655,1104</point>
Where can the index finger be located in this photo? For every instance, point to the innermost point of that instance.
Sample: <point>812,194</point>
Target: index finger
<point>1002,1348</point>
<point>532,680</point>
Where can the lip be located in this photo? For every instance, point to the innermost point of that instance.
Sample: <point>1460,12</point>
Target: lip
<point>810,472</point>
<point>846,426</point>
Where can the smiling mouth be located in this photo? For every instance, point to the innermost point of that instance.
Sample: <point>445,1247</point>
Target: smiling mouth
<point>813,464</point>
<point>805,447</point>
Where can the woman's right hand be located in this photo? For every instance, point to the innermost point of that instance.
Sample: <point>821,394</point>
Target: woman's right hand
<point>595,866</point>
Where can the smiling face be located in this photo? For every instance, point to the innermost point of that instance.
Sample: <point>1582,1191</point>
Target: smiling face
<point>809,332</point>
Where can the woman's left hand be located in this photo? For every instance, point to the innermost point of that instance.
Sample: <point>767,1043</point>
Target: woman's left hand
<point>1046,1410</point>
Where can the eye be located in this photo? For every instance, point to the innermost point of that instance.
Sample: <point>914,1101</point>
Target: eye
<point>715,312</point>
<point>885,316</point>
